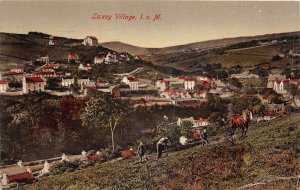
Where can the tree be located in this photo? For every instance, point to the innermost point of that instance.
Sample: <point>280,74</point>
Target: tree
<point>104,110</point>
<point>241,104</point>
<point>75,87</point>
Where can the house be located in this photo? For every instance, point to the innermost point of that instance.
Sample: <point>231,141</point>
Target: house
<point>281,86</point>
<point>201,122</point>
<point>111,57</point>
<point>17,69</point>
<point>69,82</point>
<point>274,77</point>
<point>124,57</point>
<point>44,59</point>
<point>3,86</point>
<point>73,58</point>
<point>197,123</point>
<point>162,84</point>
<point>132,82</point>
<point>136,57</point>
<point>83,82</point>
<point>189,83</point>
<point>90,41</point>
<point>101,83</point>
<point>85,67</point>
<point>53,42</point>
<point>43,74</point>
<point>170,93</point>
<point>53,66</point>
<point>47,69</point>
<point>278,87</point>
<point>33,84</point>
<point>13,76</point>
<point>199,93</point>
<point>185,94</point>
<point>99,59</point>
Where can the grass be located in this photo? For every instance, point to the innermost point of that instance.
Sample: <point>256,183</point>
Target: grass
<point>233,59</point>
<point>271,149</point>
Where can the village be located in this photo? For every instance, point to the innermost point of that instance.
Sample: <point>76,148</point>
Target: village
<point>61,79</point>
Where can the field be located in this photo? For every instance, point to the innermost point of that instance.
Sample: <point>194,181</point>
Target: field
<point>271,151</point>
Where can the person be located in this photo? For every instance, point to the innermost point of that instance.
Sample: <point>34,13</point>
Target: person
<point>142,151</point>
<point>204,136</point>
<point>160,146</point>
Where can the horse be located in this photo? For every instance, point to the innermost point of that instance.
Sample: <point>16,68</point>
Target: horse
<point>242,122</point>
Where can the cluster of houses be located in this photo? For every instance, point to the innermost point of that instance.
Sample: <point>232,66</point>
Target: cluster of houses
<point>184,87</point>
<point>88,41</point>
<point>181,91</point>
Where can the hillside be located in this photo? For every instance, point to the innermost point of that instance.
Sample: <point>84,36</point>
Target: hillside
<point>120,46</point>
<point>123,47</point>
<point>17,48</point>
<point>270,155</point>
<point>244,51</point>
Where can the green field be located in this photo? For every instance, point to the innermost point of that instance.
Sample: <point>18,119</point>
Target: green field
<point>271,149</point>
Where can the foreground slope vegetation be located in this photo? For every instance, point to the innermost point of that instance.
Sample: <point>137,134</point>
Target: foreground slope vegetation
<point>270,151</point>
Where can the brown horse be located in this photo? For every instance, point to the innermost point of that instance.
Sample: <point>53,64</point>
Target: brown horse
<point>242,121</point>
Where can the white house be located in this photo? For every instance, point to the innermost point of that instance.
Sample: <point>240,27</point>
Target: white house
<point>31,84</point>
<point>279,87</point>
<point>17,69</point>
<point>44,59</point>
<point>189,84</point>
<point>196,122</point>
<point>53,42</point>
<point>82,82</point>
<point>101,83</point>
<point>132,82</point>
<point>90,41</point>
<point>85,67</point>
<point>111,57</point>
<point>99,59</point>
<point>67,82</point>
<point>3,86</point>
<point>162,84</point>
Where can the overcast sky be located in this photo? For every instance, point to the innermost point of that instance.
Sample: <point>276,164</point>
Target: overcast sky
<point>180,22</point>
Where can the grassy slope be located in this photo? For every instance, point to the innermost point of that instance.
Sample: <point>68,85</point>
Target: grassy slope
<point>245,57</point>
<point>119,46</point>
<point>270,149</point>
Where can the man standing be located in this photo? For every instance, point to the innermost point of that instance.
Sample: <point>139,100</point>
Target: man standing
<point>204,136</point>
<point>141,152</point>
<point>160,146</point>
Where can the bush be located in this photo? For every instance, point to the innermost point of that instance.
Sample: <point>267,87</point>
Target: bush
<point>108,153</point>
<point>62,167</point>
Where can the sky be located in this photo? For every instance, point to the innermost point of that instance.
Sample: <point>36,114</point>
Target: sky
<point>180,22</point>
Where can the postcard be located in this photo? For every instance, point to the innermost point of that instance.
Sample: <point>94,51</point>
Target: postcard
<point>183,95</point>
